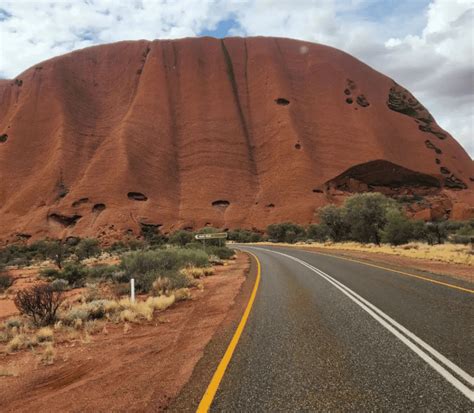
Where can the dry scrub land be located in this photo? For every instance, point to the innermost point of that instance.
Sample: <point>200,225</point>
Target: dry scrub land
<point>137,359</point>
<point>452,260</point>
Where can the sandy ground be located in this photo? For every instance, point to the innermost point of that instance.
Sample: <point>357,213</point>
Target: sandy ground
<point>139,370</point>
<point>458,271</point>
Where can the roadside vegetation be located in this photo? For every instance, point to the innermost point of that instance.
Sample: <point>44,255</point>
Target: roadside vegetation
<point>80,287</point>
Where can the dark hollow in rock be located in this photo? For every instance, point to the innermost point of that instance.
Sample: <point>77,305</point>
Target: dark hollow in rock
<point>3,138</point>
<point>362,101</point>
<point>139,71</point>
<point>79,202</point>
<point>18,82</point>
<point>437,161</point>
<point>65,220</point>
<point>349,100</point>
<point>149,225</point>
<point>318,191</point>
<point>352,85</point>
<point>137,196</point>
<point>188,228</point>
<point>23,235</point>
<point>62,190</point>
<point>347,91</point>
<point>221,203</point>
<point>454,182</point>
<point>382,174</point>
<point>98,207</point>
<point>444,170</point>
<point>297,146</point>
<point>430,145</point>
<point>270,206</point>
<point>471,179</point>
<point>282,101</point>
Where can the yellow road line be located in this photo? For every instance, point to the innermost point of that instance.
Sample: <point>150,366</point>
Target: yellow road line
<point>392,270</point>
<point>208,397</point>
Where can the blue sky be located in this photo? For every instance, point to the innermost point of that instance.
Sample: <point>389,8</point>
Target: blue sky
<point>426,45</point>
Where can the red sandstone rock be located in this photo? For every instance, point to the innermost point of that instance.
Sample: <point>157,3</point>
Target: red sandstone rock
<point>180,134</point>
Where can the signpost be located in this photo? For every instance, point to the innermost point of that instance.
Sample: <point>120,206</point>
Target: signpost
<point>214,235</point>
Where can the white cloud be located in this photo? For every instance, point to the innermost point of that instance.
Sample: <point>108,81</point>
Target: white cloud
<point>427,47</point>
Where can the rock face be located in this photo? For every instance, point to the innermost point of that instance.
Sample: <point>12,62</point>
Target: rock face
<point>229,133</point>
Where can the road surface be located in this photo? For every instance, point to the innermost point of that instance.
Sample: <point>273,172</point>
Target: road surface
<point>327,334</point>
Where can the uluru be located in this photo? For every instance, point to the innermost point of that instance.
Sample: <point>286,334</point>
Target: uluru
<point>230,133</point>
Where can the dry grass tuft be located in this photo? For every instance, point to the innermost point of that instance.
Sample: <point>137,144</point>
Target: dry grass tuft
<point>48,354</point>
<point>44,334</point>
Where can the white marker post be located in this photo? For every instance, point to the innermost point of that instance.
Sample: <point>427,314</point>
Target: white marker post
<point>132,290</point>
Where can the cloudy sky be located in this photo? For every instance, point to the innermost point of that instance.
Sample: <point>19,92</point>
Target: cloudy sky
<point>425,45</point>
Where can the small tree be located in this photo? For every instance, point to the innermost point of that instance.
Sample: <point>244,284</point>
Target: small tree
<point>40,303</point>
<point>87,248</point>
<point>317,232</point>
<point>367,215</point>
<point>398,229</point>
<point>436,232</point>
<point>181,238</point>
<point>334,220</point>
<point>54,250</point>
<point>286,232</point>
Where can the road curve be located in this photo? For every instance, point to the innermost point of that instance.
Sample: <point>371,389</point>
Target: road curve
<point>327,334</point>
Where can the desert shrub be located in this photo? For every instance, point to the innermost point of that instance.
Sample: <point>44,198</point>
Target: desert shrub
<point>104,272</point>
<point>59,285</point>
<point>333,219</point>
<point>399,229</point>
<point>74,274</point>
<point>223,253</point>
<point>135,245</point>
<point>463,232</point>
<point>181,238</point>
<point>40,303</point>
<point>55,250</point>
<point>162,261</point>
<point>50,273</point>
<point>13,322</point>
<point>152,235</point>
<point>367,215</point>
<point>87,248</point>
<point>436,232</point>
<point>5,282</point>
<point>317,232</point>
<point>244,235</point>
<point>286,232</point>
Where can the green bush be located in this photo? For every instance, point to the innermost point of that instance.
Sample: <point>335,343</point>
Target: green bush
<point>244,235</point>
<point>75,274</point>
<point>59,285</point>
<point>104,272</point>
<point>223,253</point>
<point>5,282</point>
<point>50,273</point>
<point>286,232</point>
<point>146,266</point>
<point>333,219</point>
<point>317,232</point>
<point>87,248</point>
<point>367,215</point>
<point>181,238</point>
<point>398,229</point>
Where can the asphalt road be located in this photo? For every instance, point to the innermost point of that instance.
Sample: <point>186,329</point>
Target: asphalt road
<point>326,334</point>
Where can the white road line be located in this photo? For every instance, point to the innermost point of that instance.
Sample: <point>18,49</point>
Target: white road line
<point>390,325</point>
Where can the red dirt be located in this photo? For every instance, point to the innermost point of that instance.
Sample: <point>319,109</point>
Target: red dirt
<point>233,133</point>
<point>142,370</point>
